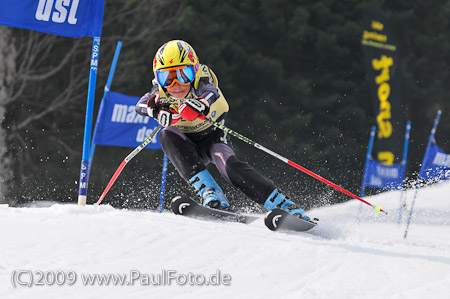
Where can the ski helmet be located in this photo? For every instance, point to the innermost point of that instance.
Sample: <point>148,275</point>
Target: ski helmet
<point>175,53</point>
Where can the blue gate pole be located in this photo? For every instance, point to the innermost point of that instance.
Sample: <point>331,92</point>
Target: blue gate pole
<point>82,189</point>
<point>163,183</point>
<point>430,140</point>
<point>105,95</point>
<point>366,165</point>
<point>405,154</point>
<point>368,157</point>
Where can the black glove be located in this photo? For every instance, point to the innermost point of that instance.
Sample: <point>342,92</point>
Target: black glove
<point>165,113</point>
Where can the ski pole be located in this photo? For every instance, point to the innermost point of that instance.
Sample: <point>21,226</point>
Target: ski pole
<point>289,162</point>
<point>128,159</point>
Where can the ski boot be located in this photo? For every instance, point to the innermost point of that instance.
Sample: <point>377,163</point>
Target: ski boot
<point>278,200</point>
<point>208,190</point>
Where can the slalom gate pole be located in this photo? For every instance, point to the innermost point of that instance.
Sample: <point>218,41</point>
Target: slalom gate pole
<point>430,140</point>
<point>287,161</point>
<point>368,158</point>
<point>105,96</point>
<point>163,183</point>
<point>366,167</point>
<point>128,159</point>
<point>82,190</point>
<point>405,155</point>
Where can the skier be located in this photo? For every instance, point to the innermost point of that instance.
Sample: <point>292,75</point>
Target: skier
<point>183,93</point>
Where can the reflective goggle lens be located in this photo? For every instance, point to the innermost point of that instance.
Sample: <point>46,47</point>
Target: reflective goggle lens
<point>183,75</point>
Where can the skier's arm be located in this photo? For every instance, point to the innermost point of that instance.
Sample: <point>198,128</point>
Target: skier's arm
<point>207,90</point>
<point>152,105</point>
<point>206,94</point>
<point>141,106</point>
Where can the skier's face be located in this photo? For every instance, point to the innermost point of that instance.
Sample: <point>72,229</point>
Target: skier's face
<point>179,91</point>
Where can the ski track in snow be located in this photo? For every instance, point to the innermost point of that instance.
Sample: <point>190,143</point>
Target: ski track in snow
<point>343,257</point>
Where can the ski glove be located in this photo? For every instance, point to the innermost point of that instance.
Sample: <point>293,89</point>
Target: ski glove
<point>191,109</point>
<point>165,113</point>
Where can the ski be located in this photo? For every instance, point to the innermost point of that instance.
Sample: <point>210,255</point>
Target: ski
<point>183,205</point>
<point>280,220</point>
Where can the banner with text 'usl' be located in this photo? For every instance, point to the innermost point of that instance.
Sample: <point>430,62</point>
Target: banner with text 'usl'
<point>71,18</point>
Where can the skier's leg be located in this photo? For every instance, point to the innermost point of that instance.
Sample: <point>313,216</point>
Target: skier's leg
<point>256,186</point>
<point>185,156</point>
<point>181,152</point>
<point>243,176</point>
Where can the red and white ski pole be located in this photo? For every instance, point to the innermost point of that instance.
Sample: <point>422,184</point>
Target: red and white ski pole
<point>289,162</point>
<point>126,160</point>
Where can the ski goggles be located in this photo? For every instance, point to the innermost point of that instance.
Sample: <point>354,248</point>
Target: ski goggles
<point>183,74</point>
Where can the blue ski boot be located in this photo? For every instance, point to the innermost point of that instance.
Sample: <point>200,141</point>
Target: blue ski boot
<point>278,200</point>
<point>208,190</point>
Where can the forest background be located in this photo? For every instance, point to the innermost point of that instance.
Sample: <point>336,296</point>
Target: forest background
<point>292,71</point>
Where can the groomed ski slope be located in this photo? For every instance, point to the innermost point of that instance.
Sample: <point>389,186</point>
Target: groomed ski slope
<point>341,258</point>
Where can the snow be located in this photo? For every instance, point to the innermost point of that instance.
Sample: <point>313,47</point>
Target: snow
<point>342,257</point>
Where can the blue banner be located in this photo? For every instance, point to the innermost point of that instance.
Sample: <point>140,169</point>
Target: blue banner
<point>71,18</point>
<point>436,164</point>
<point>118,124</point>
<point>384,176</point>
